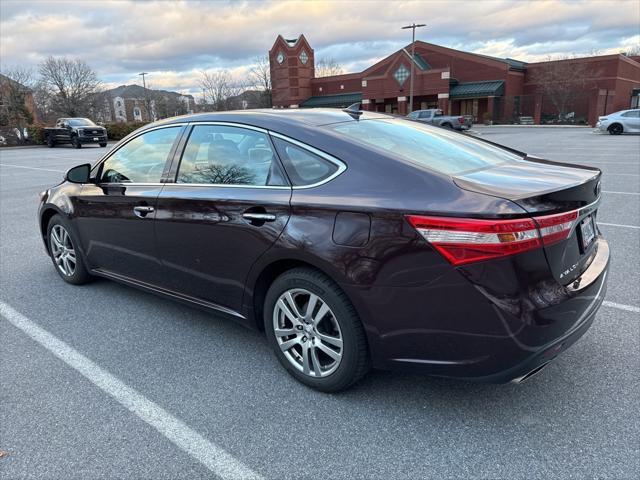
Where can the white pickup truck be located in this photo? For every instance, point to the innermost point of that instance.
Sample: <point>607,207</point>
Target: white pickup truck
<point>434,116</point>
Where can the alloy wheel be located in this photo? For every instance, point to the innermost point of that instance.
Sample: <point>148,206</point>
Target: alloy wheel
<point>307,332</point>
<point>62,250</point>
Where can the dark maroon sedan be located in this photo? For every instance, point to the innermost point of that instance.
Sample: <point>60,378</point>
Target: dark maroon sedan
<point>353,239</point>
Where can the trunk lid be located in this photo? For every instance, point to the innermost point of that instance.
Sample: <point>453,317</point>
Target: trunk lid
<point>542,187</point>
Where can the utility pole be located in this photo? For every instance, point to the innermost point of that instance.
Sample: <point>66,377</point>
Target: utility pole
<point>146,99</point>
<point>413,27</point>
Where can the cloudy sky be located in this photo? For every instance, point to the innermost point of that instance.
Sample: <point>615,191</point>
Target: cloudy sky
<point>175,40</point>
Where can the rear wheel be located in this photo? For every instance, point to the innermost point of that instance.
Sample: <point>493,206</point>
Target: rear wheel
<point>75,141</point>
<point>447,125</point>
<point>615,129</point>
<point>315,331</point>
<point>64,252</point>
<point>103,145</point>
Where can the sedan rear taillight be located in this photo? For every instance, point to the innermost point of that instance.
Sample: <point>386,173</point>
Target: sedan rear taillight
<point>461,120</point>
<point>467,240</point>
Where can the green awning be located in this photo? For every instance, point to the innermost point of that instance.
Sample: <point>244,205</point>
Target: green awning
<point>332,101</point>
<point>494,88</point>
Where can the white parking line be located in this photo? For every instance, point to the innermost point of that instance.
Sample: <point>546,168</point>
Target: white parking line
<point>210,455</point>
<point>619,225</point>
<point>621,193</point>
<point>30,168</point>
<point>621,306</point>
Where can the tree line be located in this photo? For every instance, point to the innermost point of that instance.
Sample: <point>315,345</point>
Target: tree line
<point>64,87</point>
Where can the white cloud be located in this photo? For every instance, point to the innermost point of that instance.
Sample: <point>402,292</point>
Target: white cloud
<point>175,40</point>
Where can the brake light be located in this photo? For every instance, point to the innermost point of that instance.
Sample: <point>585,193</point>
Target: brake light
<point>555,228</point>
<point>461,120</point>
<point>468,240</point>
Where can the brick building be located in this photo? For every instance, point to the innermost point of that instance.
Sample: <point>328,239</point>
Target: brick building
<point>461,83</point>
<point>128,103</point>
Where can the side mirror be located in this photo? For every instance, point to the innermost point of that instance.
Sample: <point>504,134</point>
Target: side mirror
<point>79,174</point>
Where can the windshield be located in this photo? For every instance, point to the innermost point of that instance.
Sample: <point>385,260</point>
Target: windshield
<point>81,122</point>
<point>441,150</point>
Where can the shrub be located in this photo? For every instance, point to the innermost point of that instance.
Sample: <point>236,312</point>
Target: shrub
<point>36,134</point>
<point>117,131</point>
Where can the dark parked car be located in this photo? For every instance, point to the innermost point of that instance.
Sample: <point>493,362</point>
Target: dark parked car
<point>76,131</point>
<point>353,239</point>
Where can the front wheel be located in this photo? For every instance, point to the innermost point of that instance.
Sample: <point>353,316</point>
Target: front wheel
<point>315,331</point>
<point>75,141</point>
<point>51,142</point>
<point>103,145</point>
<point>615,129</point>
<point>64,252</point>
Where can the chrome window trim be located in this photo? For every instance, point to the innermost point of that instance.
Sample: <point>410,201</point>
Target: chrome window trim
<point>112,152</point>
<point>341,166</point>
<point>209,185</point>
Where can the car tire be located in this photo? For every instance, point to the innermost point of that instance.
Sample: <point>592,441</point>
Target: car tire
<point>51,142</point>
<point>103,145</point>
<point>615,129</point>
<point>338,329</point>
<point>75,141</point>
<point>64,253</point>
<point>448,126</point>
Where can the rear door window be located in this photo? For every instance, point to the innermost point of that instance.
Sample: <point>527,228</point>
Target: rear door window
<point>226,155</point>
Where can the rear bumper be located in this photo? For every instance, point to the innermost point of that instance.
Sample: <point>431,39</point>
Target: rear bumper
<point>486,328</point>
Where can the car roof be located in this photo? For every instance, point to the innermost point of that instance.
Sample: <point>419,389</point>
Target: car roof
<point>274,118</point>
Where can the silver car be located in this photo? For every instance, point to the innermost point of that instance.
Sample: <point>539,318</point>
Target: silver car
<point>624,121</point>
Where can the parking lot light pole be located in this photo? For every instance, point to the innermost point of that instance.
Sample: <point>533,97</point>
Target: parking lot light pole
<point>413,27</point>
<point>146,99</point>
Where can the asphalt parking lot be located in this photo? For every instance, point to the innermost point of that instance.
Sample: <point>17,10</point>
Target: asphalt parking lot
<point>219,390</point>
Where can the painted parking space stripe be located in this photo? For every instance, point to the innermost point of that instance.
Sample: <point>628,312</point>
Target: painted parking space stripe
<point>621,193</point>
<point>621,306</point>
<point>30,168</point>
<point>218,461</point>
<point>635,227</point>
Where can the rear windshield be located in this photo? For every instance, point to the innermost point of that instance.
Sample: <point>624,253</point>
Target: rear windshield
<point>441,150</point>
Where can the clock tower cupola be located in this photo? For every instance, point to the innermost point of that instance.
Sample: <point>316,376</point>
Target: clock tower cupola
<point>291,64</point>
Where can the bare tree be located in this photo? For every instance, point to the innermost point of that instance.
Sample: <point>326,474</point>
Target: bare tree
<point>70,82</point>
<point>218,88</point>
<point>327,67</point>
<point>561,80</point>
<point>633,51</point>
<point>260,79</point>
<point>16,94</point>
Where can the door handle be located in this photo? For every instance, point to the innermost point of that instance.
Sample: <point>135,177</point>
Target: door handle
<point>259,217</point>
<point>143,210</point>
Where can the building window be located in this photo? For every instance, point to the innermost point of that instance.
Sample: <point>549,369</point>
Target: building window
<point>401,74</point>
<point>280,57</point>
<point>304,57</point>
<point>118,104</point>
<point>341,87</point>
<point>319,89</point>
<point>364,83</point>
